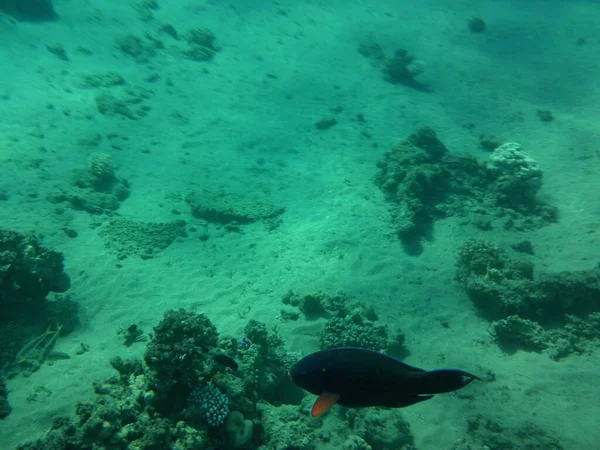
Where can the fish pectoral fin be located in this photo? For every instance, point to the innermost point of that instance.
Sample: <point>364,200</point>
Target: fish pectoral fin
<point>325,401</point>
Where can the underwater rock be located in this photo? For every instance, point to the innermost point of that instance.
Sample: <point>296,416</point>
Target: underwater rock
<point>29,10</point>
<point>232,208</point>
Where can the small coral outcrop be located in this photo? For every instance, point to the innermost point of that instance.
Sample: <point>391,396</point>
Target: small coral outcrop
<point>96,189</point>
<point>518,177</point>
<point>425,182</point>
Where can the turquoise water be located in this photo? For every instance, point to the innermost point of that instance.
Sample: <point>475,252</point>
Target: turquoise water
<point>343,172</point>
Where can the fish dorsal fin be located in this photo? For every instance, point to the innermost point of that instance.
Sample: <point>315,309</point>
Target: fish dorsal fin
<point>325,401</point>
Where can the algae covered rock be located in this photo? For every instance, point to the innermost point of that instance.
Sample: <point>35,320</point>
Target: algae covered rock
<point>144,239</point>
<point>232,208</point>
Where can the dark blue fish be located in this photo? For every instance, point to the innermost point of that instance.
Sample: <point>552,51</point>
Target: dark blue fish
<point>357,377</point>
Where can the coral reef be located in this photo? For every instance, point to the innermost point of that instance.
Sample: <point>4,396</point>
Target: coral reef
<point>28,273</point>
<point>531,312</point>
<point>351,323</point>
<point>483,432</point>
<point>381,428</point>
<point>289,427</point>
<point>188,394</point>
<point>292,427</point>
<point>354,330</point>
<point>264,362</point>
<point>424,182</point>
<point>211,403</point>
<point>576,336</point>
<point>514,332</point>
<point>178,357</point>
<point>121,417</point>
<point>415,181</point>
